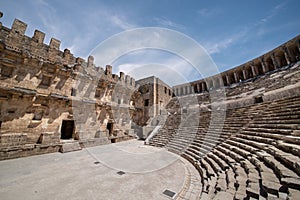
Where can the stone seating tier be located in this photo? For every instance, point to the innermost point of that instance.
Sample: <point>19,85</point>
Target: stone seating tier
<point>255,154</point>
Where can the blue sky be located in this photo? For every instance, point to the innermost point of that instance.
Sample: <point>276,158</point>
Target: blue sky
<point>232,31</point>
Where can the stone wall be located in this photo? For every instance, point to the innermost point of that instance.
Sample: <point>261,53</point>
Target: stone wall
<point>48,96</point>
<point>279,57</point>
<point>152,96</point>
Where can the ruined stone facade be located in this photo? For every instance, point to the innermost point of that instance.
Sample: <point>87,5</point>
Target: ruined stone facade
<point>152,96</point>
<point>51,100</point>
<point>281,56</point>
<point>245,145</point>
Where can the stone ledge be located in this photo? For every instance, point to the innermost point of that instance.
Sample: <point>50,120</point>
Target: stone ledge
<point>70,146</point>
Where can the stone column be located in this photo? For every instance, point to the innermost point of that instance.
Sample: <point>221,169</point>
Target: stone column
<point>198,87</point>
<point>221,84</point>
<point>263,65</point>
<point>203,86</point>
<point>287,55</point>
<point>274,61</point>
<point>214,83</point>
<point>253,68</point>
<point>227,79</point>
<point>244,74</point>
<point>235,77</point>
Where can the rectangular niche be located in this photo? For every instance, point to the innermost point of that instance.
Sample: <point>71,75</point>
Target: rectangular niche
<point>6,71</point>
<point>46,80</point>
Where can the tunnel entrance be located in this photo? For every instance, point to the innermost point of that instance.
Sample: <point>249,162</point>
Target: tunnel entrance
<point>67,129</point>
<point>110,128</point>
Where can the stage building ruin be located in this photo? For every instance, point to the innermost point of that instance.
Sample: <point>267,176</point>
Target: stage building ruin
<point>52,101</point>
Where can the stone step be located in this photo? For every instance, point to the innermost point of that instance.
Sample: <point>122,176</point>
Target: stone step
<point>218,160</point>
<point>229,160</point>
<point>287,147</point>
<point>276,117</point>
<point>268,130</point>
<point>274,136</point>
<point>70,146</point>
<point>209,170</point>
<point>274,126</point>
<point>286,165</point>
<point>272,121</point>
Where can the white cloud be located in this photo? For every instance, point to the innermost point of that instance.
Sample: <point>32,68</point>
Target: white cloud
<point>170,68</point>
<point>204,12</point>
<point>89,26</point>
<point>120,22</point>
<point>167,23</point>
<point>244,34</point>
<point>273,12</point>
<point>224,43</point>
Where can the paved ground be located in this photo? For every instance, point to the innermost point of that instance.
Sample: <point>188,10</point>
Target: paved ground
<point>92,174</point>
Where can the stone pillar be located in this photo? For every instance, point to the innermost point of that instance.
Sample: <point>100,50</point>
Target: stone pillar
<point>199,87</point>
<point>213,86</point>
<point>132,82</point>
<point>204,86</point>
<point>187,89</point>
<point>90,61</point>
<point>287,55</point>
<point>154,96</point>
<point>39,36</point>
<point>227,79</point>
<point>127,79</point>
<point>253,68</point>
<point>122,77</point>
<point>244,74</point>
<point>108,70</point>
<point>263,65</point>
<point>221,84</point>
<point>274,61</point>
<point>235,77</point>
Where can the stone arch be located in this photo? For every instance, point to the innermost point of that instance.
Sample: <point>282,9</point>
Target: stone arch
<point>224,80</point>
<point>230,78</point>
<point>259,69</point>
<point>248,72</point>
<point>269,64</point>
<point>195,88</point>
<point>281,60</point>
<point>239,76</point>
<point>294,53</point>
<point>216,83</point>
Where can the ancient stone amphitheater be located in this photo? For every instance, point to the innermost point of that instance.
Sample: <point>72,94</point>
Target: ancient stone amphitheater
<point>245,145</point>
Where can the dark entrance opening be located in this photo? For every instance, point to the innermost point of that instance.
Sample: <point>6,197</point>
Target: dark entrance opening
<point>67,129</point>
<point>113,140</point>
<point>259,99</point>
<point>110,127</point>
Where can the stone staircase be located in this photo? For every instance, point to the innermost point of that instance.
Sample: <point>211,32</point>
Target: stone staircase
<point>254,155</point>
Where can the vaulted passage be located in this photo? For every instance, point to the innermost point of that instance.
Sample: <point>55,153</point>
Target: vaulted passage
<point>67,129</point>
<point>110,127</point>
